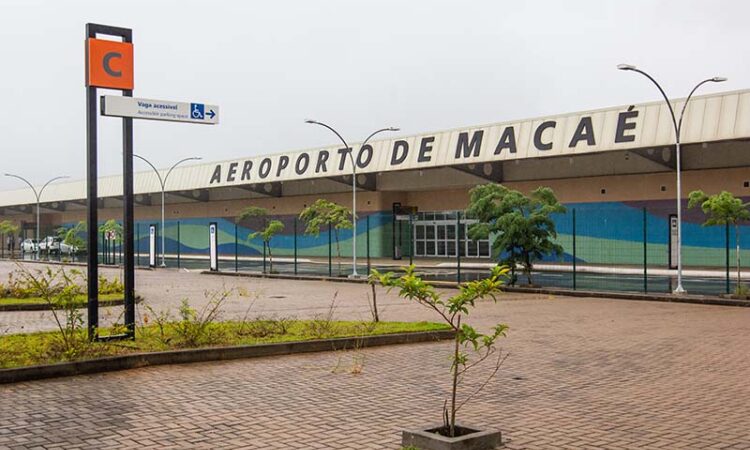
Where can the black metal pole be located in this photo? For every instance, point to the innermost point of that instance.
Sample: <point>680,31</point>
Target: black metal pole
<point>575,281</point>
<point>726,262</point>
<point>645,251</point>
<point>179,244</point>
<point>138,244</point>
<point>368,245</point>
<point>264,256</point>
<point>236,250</point>
<point>295,246</point>
<point>129,213</point>
<point>92,213</point>
<point>411,239</point>
<point>330,267</point>
<point>461,243</point>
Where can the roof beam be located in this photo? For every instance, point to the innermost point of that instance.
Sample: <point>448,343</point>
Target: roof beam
<point>491,171</point>
<point>665,157</point>
<point>142,199</point>
<point>267,189</point>
<point>197,195</point>
<point>23,209</point>
<point>55,206</point>
<point>79,202</point>
<point>367,182</point>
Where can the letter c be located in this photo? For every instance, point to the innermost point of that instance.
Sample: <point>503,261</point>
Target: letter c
<point>107,58</point>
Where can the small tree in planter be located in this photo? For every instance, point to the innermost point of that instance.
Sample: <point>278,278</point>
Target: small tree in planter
<point>470,349</point>
<point>326,213</point>
<point>374,279</point>
<point>723,209</point>
<point>270,228</point>
<point>522,225</point>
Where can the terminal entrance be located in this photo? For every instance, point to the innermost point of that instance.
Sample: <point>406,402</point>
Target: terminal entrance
<point>435,236</point>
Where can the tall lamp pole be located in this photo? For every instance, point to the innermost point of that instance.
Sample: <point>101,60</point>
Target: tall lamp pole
<point>38,195</point>
<point>163,183</point>
<point>677,123</point>
<point>354,184</point>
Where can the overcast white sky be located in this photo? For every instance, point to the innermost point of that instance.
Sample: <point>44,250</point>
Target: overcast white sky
<point>358,65</point>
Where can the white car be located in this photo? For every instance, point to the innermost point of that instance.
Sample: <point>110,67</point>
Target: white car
<point>28,246</point>
<point>49,244</point>
<point>66,249</point>
<point>53,245</point>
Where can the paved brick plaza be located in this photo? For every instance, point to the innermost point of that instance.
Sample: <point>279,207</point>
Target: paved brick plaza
<point>583,373</point>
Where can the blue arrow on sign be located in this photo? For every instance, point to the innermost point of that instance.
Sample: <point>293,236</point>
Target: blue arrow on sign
<point>211,113</point>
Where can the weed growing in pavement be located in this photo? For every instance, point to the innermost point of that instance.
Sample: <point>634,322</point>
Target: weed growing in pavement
<point>262,326</point>
<point>323,326</point>
<point>60,291</point>
<point>114,286</point>
<point>358,358</point>
<point>161,318</point>
<point>20,286</point>
<point>194,326</point>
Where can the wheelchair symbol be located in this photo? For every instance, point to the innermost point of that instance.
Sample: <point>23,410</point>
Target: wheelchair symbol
<point>197,110</point>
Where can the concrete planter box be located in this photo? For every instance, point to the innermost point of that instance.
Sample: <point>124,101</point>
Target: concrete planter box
<point>470,438</point>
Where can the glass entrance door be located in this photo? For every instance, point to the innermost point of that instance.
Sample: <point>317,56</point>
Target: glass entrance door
<point>435,236</point>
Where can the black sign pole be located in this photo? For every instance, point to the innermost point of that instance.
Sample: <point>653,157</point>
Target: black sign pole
<point>92,194</point>
<point>92,218</point>
<point>127,192</point>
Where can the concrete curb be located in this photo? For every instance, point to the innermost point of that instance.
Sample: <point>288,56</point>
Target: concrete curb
<point>69,263</point>
<point>45,307</point>
<point>670,298</point>
<point>138,360</point>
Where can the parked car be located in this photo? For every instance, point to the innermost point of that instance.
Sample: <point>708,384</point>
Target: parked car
<point>49,244</point>
<point>55,245</point>
<point>66,249</point>
<point>29,246</point>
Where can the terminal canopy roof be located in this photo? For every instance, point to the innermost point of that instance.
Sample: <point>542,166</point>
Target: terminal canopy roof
<point>628,139</point>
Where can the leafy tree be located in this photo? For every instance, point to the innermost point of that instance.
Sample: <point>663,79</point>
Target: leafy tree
<point>270,228</point>
<point>522,225</point>
<point>8,228</point>
<point>72,235</point>
<point>327,213</point>
<point>470,346</point>
<point>111,225</point>
<point>722,209</point>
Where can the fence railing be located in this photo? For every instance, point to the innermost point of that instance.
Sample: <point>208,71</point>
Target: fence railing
<point>604,249</point>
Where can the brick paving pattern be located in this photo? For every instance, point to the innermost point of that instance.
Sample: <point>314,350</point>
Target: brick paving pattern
<point>582,373</point>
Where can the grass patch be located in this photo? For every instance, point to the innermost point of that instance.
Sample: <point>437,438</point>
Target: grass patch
<point>80,300</point>
<point>18,350</point>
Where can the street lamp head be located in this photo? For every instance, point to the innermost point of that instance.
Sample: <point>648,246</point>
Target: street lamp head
<point>394,129</point>
<point>718,79</point>
<point>310,121</point>
<point>625,67</point>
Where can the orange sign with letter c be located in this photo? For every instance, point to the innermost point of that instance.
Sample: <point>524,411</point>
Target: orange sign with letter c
<point>109,64</point>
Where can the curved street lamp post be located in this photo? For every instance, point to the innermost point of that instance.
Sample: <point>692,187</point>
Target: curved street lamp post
<point>38,195</point>
<point>354,184</point>
<point>677,123</point>
<point>163,183</point>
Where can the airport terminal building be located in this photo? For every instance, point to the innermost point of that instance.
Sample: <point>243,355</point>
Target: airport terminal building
<point>615,167</point>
